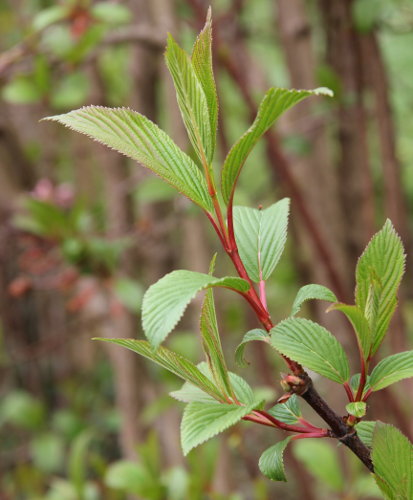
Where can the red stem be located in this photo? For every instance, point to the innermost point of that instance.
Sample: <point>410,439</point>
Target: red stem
<point>284,426</point>
<point>363,378</point>
<point>349,392</point>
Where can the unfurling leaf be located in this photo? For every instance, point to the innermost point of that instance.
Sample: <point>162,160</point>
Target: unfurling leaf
<point>202,421</point>
<point>359,323</point>
<point>192,101</point>
<point>261,237</point>
<point>357,409</point>
<point>171,361</point>
<point>275,102</point>
<point>378,275</point>
<point>271,461</point>
<point>164,302</point>
<point>311,292</point>
<point>392,457</point>
<point>133,135</point>
<point>288,412</point>
<point>313,346</point>
<point>392,369</point>
<point>202,62</point>
<point>255,334</point>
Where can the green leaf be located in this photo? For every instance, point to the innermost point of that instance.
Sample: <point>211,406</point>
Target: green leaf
<point>191,100</point>
<point>392,369</point>
<point>359,323</point>
<point>355,382</point>
<point>255,334</point>
<point>189,393</point>
<point>310,292</point>
<point>202,63</point>
<point>111,13</point>
<point>313,346</point>
<point>357,409</point>
<point>130,477</point>
<point>378,275</point>
<point>49,16</point>
<point>271,461</point>
<point>172,362</point>
<point>165,301</point>
<point>202,421</point>
<point>392,457</point>
<point>275,102</point>
<point>365,431</point>
<point>288,412</point>
<point>135,136</point>
<point>321,460</point>
<point>261,237</point>
<point>212,345</point>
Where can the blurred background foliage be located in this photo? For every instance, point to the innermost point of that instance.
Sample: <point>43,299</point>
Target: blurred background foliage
<point>83,232</point>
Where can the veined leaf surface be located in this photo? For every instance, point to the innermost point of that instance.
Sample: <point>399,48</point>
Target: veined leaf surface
<point>288,412</point>
<point>202,421</point>
<point>313,346</point>
<point>172,362</point>
<point>392,457</point>
<point>271,461</point>
<point>164,302</point>
<point>202,63</point>
<point>359,323</point>
<point>311,292</point>
<point>256,334</point>
<point>392,369</point>
<point>191,100</point>
<point>275,102</point>
<point>378,275</point>
<point>135,136</point>
<point>261,237</point>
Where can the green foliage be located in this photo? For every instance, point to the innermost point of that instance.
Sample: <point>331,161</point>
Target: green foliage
<point>261,237</point>
<point>365,430</point>
<point>392,369</point>
<point>311,292</point>
<point>313,346</point>
<point>202,421</point>
<point>288,412</point>
<point>359,323</point>
<point>271,461</point>
<point>135,136</point>
<point>171,361</point>
<point>378,275</point>
<point>274,104</point>
<point>166,300</point>
<point>255,334</point>
<point>357,409</point>
<point>212,345</point>
<point>191,99</point>
<point>393,462</point>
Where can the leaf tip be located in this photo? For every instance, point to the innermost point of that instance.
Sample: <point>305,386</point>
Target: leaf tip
<point>323,91</point>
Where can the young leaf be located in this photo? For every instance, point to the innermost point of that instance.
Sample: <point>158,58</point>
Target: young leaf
<point>261,237</point>
<point>355,382</point>
<point>172,362</point>
<point>391,370</point>
<point>288,412</point>
<point>359,323</point>
<point>271,461</point>
<point>192,101</point>
<point>202,63</point>
<point>313,346</point>
<point>212,345</point>
<point>135,136</point>
<point>365,430</point>
<point>190,393</point>
<point>357,409</point>
<point>202,421</point>
<point>392,457</point>
<point>255,334</point>
<point>310,292</point>
<point>164,302</point>
<point>378,275</point>
<point>275,102</point>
